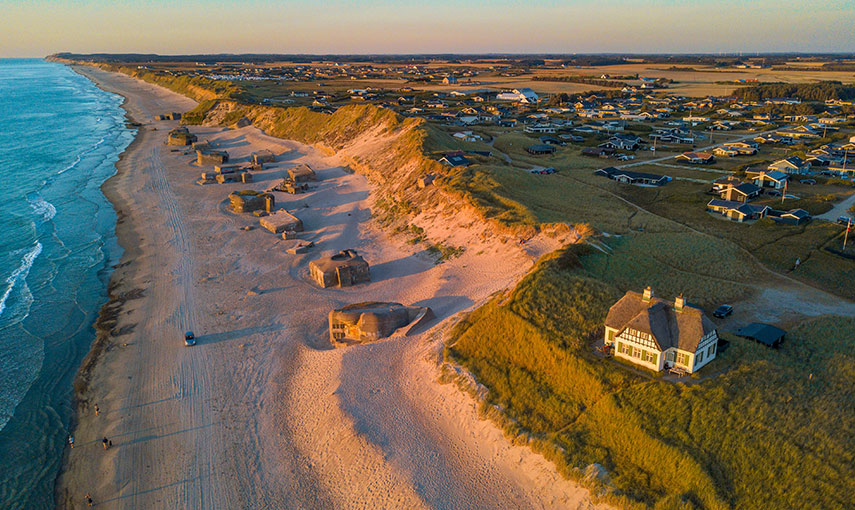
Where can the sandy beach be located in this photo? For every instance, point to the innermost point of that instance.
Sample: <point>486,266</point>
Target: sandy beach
<point>263,413</point>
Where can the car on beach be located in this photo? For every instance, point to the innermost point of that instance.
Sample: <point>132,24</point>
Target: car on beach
<point>189,339</point>
<point>723,311</point>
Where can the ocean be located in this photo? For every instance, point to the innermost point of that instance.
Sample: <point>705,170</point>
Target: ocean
<point>60,137</point>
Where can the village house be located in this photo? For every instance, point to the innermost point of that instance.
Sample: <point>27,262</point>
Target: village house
<point>791,217</point>
<point>370,321</point>
<point>798,132</point>
<point>774,138</point>
<point>454,159</point>
<point>741,192</point>
<point>344,269</point>
<point>843,169</point>
<point>735,149</point>
<point>697,158</point>
<point>660,335</point>
<point>737,211</point>
<point>539,128</point>
<point>627,142</point>
<point>523,95</point>
<point>628,177</point>
<point>723,182</point>
<point>597,152</point>
<point>540,149</point>
<point>675,135</point>
<point>767,179</point>
<point>791,165</point>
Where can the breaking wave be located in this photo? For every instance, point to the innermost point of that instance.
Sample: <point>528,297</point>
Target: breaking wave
<point>42,207</point>
<point>20,274</point>
<point>80,156</point>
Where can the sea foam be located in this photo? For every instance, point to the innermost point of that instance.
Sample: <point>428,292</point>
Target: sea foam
<point>20,273</point>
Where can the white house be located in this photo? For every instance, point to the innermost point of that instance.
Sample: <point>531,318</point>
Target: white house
<point>658,334</point>
<point>524,95</point>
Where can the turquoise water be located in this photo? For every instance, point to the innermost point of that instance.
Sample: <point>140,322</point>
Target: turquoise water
<point>60,137</point>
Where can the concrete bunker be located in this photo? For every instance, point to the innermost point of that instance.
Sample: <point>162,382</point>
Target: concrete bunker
<point>372,320</point>
<point>263,156</point>
<point>180,136</point>
<point>302,173</point>
<point>247,201</point>
<point>211,157</point>
<point>344,269</point>
<point>281,221</point>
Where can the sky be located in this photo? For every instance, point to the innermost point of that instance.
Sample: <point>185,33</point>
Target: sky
<point>35,28</point>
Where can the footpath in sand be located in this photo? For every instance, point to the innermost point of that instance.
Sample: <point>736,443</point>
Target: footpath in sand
<point>262,413</point>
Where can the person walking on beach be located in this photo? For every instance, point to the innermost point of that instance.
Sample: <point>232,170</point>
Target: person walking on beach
<point>89,500</point>
<point>105,443</point>
<point>71,441</point>
<point>97,411</point>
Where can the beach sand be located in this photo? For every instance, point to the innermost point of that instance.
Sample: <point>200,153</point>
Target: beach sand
<point>263,413</point>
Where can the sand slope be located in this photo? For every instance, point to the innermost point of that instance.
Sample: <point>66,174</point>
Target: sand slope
<point>262,413</point>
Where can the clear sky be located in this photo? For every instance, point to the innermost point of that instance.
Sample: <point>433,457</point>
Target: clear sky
<point>39,27</point>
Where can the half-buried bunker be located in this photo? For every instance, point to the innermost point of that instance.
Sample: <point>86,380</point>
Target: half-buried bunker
<point>370,321</point>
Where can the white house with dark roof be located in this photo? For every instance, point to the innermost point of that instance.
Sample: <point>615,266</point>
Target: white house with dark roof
<point>791,165</point>
<point>774,179</point>
<point>659,334</point>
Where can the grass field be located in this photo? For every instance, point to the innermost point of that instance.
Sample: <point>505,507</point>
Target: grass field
<point>774,430</point>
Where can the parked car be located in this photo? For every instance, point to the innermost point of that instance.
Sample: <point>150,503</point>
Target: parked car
<point>723,311</point>
<point>810,182</point>
<point>189,339</point>
<point>773,192</point>
<point>843,220</point>
<point>543,171</point>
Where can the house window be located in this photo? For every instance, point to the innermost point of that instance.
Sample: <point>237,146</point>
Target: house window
<point>669,356</point>
<point>699,357</point>
<point>683,358</point>
<point>611,337</point>
<point>711,350</point>
<point>636,352</point>
<point>651,357</point>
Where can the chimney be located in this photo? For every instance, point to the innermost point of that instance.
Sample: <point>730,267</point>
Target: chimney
<point>679,303</point>
<point>648,294</point>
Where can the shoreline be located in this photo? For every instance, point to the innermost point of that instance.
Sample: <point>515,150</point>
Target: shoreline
<point>106,319</point>
<point>263,412</point>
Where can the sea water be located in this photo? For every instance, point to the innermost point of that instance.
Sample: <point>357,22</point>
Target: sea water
<point>60,137</point>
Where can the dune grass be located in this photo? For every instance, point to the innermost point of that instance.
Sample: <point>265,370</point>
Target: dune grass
<point>773,430</point>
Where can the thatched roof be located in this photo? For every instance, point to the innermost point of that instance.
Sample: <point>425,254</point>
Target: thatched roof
<point>658,317</point>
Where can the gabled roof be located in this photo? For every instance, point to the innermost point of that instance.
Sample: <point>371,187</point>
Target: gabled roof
<point>797,213</point>
<point>774,175</point>
<point>455,159</point>
<point>668,327</point>
<point>612,172</point>
<point>748,189</point>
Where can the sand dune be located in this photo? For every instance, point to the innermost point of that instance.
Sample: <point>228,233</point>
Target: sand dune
<point>262,413</point>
